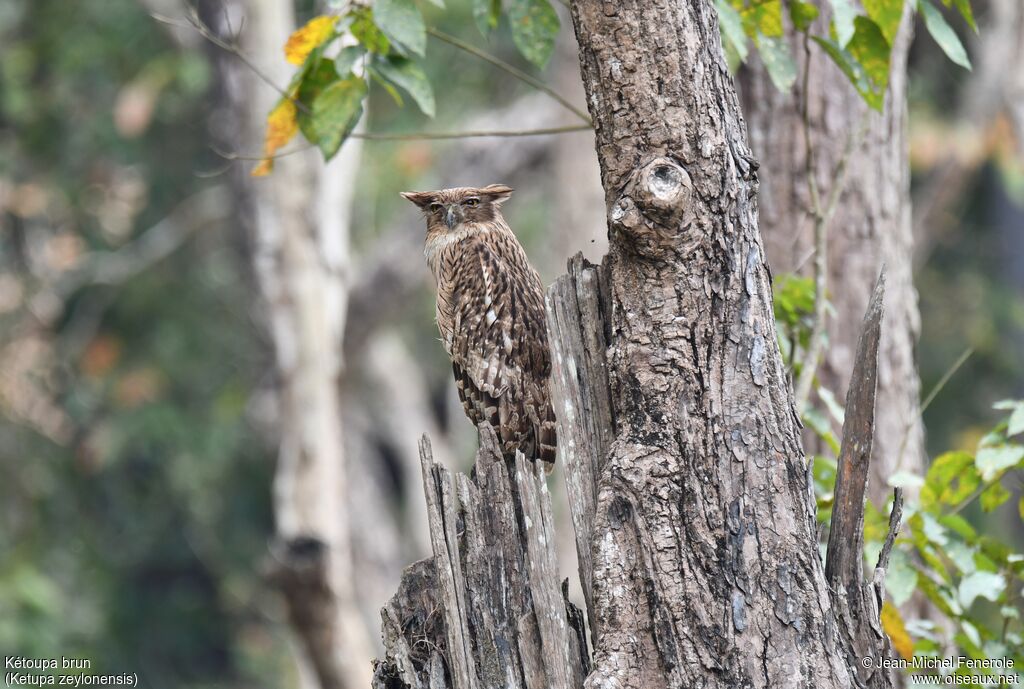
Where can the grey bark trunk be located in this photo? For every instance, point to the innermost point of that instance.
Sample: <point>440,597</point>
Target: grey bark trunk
<point>704,561</point>
<point>871,225</point>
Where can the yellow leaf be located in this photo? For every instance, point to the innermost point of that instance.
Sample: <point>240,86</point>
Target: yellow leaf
<point>893,625</point>
<point>301,43</point>
<point>281,127</point>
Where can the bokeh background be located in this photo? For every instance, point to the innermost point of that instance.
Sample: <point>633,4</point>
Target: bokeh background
<point>139,425</point>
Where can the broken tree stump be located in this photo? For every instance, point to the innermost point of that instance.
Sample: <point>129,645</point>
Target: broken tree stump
<point>487,609</point>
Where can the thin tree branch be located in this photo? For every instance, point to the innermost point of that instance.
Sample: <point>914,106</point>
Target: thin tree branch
<point>930,398</point>
<point>895,520</point>
<point>231,46</point>
<point>822,216</point>
<point>422,136</point>
<point>514,71</point>
<point>478,134</point>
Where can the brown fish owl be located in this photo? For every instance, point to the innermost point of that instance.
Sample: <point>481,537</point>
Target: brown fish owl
<point>490,311</point>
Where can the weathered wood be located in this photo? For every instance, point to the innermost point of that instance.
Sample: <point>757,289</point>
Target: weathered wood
<point>857,602</point>
<point>486,611</point>
<point>580,398</point>
<point>843,566</point>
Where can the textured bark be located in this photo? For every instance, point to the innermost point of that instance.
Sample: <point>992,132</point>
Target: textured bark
<point>871,225</point>
<point>857,603</point>
<point>705,567</point>
<point>678,435</point>
<point>485,610</point>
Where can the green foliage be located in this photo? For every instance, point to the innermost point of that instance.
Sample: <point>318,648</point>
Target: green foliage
<point>402,23</point>
<point>793,303</point>
<point>943,33</point>
<point>973,580</point>
<point>486,14</point>
<point>859,41</point>
<point>534,28</point>
<point>325,98</point>
<point>407,75</point>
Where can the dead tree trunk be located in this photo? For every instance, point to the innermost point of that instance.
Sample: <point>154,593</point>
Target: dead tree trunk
<point>486,610</point>
<point>871,224</point>
<point>677,431</point>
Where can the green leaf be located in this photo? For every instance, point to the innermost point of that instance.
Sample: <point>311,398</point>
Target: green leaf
<point>534,28</point>
<point>905,479</point>
<point>959,525</point>
<point>961,555</point>
<point>819,423</point>
<point>869,47</point>
<point>402,23</point>
<point>943,34</point>
<point>886,14</point>
<point>980,584</point>
<point>802,14</point>
<point>950,480</point>
<point>409,76</point>
<point>900,578</point>
<point>777,60</point>
<point>939,595</point>
<point>437,3</point>
<point>347,59</point>
<point>1015,424</point>
<point>387,86</point>
<point>834,408</point>
<point>367,33</point>
<point>992,460</point>
<point>760,17</point>
<point>485,14</point>
<point>843,14</point>
<point>853,71</point>
<point>964,6</point>
<point>731,24</point>
<point>994,496</point>
<point>793,297</point>
<point>333,106</point>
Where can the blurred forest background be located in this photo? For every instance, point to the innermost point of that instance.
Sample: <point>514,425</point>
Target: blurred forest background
<point>139,425</point>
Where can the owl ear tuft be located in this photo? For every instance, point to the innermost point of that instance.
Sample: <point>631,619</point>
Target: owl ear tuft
<point>497,193</point>
<point>420,198</point>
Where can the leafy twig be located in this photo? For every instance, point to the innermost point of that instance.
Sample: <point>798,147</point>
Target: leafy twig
<point>514,71</point>
<point>822,216</point>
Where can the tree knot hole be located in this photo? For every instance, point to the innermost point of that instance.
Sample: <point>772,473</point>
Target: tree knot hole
<point>656,202</point>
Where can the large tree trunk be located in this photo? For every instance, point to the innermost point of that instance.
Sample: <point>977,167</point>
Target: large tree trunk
<point>705,568</point>
<point>871,225</point>
<point>677,431</point>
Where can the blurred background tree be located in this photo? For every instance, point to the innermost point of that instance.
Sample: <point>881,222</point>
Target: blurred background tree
<point>139,394</point>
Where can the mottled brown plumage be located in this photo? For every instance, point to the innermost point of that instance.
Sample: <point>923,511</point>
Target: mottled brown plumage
<point>490,311</point>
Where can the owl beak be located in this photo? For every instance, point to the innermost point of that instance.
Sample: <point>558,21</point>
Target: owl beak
<point>449,219</point>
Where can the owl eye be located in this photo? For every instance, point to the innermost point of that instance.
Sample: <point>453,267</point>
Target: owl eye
<point>435,207</point>
<point>472,202</point>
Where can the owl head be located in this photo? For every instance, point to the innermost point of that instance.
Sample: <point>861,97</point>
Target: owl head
<point>449,208</point>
